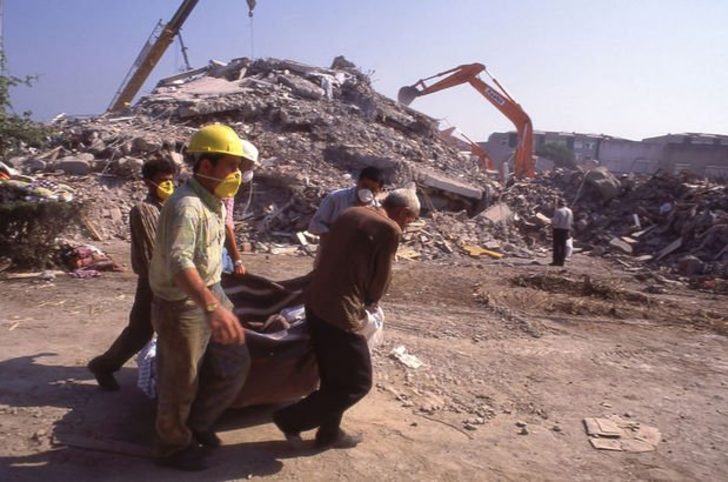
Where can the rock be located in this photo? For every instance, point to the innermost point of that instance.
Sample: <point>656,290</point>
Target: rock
<point>521,423</point>
<point>604,182</point>
<point>33,165</point>
<point>128,166</point>
<point>469,426</point>
<point>690,266</point>
<point>78,165</point>
<point>524,431</point>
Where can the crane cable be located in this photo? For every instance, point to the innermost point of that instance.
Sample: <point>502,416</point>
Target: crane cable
<point>252,39</point>
<point>251,7</point>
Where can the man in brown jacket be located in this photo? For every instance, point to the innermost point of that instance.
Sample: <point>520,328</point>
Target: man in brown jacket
<point>353,273</point>
<point>158,177</point>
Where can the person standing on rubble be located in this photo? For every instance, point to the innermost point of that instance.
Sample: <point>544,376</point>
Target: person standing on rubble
<point>202,357</point>
<point>364,193</point>
<point>158,175</point>
<point>231,245</point>
<point>561,224</point>
<point>353,273</point>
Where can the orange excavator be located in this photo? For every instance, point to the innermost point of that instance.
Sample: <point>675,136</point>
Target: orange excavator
<point>470,73</point>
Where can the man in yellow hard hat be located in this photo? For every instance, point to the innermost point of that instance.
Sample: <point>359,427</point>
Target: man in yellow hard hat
<point>202,358</point>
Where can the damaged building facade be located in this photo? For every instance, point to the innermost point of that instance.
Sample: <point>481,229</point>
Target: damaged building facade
<point>701,154</point>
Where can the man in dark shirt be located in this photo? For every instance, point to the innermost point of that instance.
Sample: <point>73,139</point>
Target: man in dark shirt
<point>353,273</point>
<point>158,177</point>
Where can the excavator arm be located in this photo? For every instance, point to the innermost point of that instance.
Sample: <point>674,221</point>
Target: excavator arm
<point>498,97</point>
<point>149,57</point>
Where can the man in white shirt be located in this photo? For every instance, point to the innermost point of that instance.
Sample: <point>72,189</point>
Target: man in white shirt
<point>561,224</point>
<point>364,193</point>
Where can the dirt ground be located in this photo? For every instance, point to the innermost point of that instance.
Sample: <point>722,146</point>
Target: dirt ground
<point>502,342</point>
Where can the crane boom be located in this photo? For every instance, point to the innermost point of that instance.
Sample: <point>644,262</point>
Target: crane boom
<point>149,57</point>
<point>499,97</point>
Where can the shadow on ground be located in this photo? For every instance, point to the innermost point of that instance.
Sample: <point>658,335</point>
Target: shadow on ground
<point>108,435</point>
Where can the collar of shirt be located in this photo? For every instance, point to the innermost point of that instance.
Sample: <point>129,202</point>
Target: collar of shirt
<point>212,201</point>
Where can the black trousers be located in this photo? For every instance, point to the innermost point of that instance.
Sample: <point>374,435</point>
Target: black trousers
<point>560,237</point>
<point>136,334</point>
<point>345,369</point>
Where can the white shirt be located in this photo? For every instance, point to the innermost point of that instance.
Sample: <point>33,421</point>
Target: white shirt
<point>563,218</point>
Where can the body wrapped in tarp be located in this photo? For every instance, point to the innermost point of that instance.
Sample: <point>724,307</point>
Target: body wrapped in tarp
<point>283,364</point>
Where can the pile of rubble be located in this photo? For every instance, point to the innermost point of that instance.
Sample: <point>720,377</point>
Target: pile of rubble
<point>316,127</point>
<point>676,221</point>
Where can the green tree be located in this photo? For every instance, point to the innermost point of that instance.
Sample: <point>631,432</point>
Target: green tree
<point>16,129</point>
<point>559,153</point>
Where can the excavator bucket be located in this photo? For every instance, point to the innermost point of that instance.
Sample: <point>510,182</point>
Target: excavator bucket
<point>407,94</point>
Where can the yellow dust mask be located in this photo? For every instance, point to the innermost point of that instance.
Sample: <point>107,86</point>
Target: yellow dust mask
<point>164,189</point>
<point>228,186</point>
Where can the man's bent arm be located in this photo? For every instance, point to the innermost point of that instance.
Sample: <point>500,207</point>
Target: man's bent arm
<point>189,281</point>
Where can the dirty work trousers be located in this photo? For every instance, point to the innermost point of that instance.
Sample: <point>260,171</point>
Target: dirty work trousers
<point>345,370</point>
<point>136,334</point>
<point>197,379</point>
<point>560,237</point>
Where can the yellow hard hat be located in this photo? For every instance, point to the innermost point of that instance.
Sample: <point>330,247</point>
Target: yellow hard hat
<point>216,138</point>
<point>250,152</point>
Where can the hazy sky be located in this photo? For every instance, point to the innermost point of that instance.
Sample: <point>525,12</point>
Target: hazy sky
<point>630,68</point>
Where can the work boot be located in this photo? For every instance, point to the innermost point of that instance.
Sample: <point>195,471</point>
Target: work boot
<point>190,459</point>
<point>104,378</point>
<point>341,440</point>
<point>293,438</point>
<point>207,438</point>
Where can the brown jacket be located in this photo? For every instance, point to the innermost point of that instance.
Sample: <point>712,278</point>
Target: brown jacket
<point>355,267</point>
<point>143,227</point>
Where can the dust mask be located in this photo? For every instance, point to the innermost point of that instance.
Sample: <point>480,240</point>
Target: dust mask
<point>164,190</point>
<point>228,186</point>
<point>365,196</point>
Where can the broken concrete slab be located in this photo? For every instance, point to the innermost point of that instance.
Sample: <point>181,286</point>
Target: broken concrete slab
<point>302,87</point>
<point>444,183</point>
<point>602,427</point>
<point>498,213</point>
<point>617,434</point>
<point>621,245</point>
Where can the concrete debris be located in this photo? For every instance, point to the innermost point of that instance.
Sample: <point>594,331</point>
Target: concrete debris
<point>79,165</point>
<point>317,127</point>
<point>399,353</point>
<point>617,434</point>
